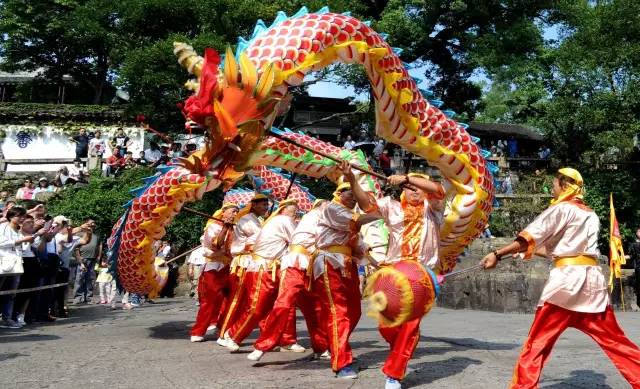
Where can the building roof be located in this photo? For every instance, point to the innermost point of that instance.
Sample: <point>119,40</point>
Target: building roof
<point>505,130</point>
<point>24,76</point>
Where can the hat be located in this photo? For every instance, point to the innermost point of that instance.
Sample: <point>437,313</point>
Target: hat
<point>60,219</point>
<point>43,179</point>
<point>259,197</point>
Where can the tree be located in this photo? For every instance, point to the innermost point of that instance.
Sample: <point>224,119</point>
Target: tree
<point>76,38</point>
<point>582,91</point>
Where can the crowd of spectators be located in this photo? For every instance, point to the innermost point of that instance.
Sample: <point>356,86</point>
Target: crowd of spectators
<point>53,251</point>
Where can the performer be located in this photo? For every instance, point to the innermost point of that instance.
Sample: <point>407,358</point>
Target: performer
<point>576,293</point>
<point>335,276</point>
<point>414,225</point>
<point>213,285</point>
<point>295,279</point>
<point>261,276</point>
<point>244,236</point>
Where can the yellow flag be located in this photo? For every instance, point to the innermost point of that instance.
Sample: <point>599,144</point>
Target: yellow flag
<point>616,253</point>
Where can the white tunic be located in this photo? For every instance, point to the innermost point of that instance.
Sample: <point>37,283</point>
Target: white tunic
<point>336,227</point>
<point>304,235</point>
<point>244,236</point>
<point>272,242</point>
<point>208,241</point>
<point>570,229</point>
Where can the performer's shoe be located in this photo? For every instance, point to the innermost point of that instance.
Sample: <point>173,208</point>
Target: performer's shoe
<point>296,348</point>
<point>195,338</point>
<point>211,329</point>
<point>255,355</point>
<point>325,356</point>
<point>230,344</point>
<point>347,372</point>
<point>222,341</point>
<point>392,383</point>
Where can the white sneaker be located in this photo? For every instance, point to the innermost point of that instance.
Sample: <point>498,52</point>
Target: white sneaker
<point>195,338</point>
<point>255,355</point>
<point>212,328</point>
<point>21,321</point>
<point>222,341</point>
<point>8,323</point>
<point>296,348</point>
<point>392,383</point>
<point>325,356</point>
<point>230,344</point>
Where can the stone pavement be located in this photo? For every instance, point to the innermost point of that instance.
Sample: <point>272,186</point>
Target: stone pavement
<point>149,348</point>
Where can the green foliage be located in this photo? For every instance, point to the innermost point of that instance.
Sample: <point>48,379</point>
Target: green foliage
<point>513,216</point>
<point>184,231</point>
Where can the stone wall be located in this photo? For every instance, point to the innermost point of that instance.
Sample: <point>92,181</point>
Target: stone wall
<point>514,286</point>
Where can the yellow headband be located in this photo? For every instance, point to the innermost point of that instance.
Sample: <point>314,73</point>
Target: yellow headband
<point>342,187</point>
<point>573,174</point>
<point>572,191</point>
<point>426,177</point>
<point>218,214</point>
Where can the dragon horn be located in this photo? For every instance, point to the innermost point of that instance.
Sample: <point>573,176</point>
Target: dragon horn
<point>188,58</point>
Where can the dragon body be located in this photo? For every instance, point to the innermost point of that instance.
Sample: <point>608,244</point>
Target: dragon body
<point>238,97</point>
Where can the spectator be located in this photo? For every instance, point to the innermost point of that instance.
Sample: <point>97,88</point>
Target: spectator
<point>349,144</point>
<point>97,145</point>
<point>11,240</point>
<point>129,162</point>
<point>26,191</point>
<point>195,264</point>
<point>63,178</point>
<point>544,152</point>
<point>385,163</point>
<point>153,153</point>
<point>4,196</point>
<point>176,150</point>
<point>512,147</point>
<point>78,173</point>
<point>67,242</point>
<point>507,186</point>
<point>115,163</point>
<point>378,148</point>
<point>142,161</point>
<point>164,158</point>
<point>31,265</point>
<point>634,256</point>
<point>106,285</point>
<point>493,149</point>
<point>501,147</point>
<point>82,144</point>
<point>121,140</point>
<point>189,149</point>
<point>90,253</point>
<point>163,249</point>
<point>43,186</point>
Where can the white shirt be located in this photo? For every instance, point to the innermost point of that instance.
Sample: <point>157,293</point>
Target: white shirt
<point>196,257</point>
<point>336,227</point>
<point>350,144</point>
<point>152,155</point>
<point>304,235</point>
<point>97,146</point>
<point>8,238</point>
<point>65,248</point>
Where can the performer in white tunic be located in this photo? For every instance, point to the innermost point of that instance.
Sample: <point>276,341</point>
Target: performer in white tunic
<point>576,293</point>
<point>213,284</point>
<point>295,288</point>
<point>261,276</point>
<point>414,225</point>
<point>248,226</point>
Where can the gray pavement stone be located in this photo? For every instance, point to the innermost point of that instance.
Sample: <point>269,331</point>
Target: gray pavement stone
<point>149,348</point>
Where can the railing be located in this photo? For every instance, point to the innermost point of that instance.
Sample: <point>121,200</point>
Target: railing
<point>4,163</point>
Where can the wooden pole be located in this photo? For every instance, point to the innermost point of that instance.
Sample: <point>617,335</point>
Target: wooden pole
<point>182,255</point>
<point>193,211</point>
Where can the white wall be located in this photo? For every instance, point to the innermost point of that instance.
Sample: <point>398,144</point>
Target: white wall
<point>52,143</point>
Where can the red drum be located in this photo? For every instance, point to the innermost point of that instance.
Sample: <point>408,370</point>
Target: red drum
<point>401,292</point>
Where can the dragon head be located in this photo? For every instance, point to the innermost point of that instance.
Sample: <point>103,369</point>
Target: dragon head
<point>234,103</point>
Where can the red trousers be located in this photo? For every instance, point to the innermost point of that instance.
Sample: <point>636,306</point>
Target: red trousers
<point>213,289</point>
<point>403,340</point>
<point>339,296</point>
<point>258,295</point>
<point>551,321</point>
<point>292,290</point>
<point>233,301</point>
